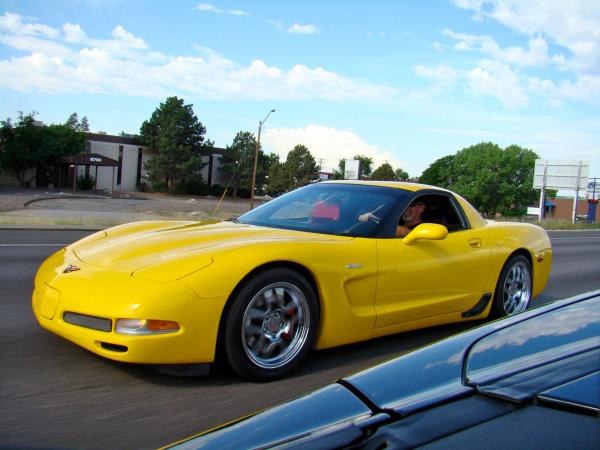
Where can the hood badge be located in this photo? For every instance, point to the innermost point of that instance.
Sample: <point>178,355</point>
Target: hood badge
<point>71,268</point>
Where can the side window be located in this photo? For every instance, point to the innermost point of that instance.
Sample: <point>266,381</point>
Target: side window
<point>442,210</point>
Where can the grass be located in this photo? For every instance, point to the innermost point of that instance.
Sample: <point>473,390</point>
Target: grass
<point>553,224</point>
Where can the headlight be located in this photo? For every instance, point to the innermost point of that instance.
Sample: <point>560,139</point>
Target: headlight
<point>145,326</point>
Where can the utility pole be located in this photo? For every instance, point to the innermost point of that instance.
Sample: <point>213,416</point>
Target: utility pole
<point>260,124</point>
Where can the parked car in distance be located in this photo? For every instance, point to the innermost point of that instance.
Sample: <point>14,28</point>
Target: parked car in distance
<point>526,381</point>
<point>319,267</point>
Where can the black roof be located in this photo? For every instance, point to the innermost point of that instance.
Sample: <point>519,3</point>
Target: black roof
<point>115,139</point>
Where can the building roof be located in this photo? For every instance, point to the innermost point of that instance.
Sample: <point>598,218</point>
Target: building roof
<point>100,137</point>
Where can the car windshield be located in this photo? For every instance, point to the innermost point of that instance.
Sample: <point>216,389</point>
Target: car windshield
<point>331,208</point>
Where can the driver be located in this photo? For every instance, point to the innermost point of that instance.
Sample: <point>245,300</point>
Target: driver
<point>410,218</point>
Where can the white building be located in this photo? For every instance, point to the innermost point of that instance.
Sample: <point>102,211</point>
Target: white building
<point>116,163</point>
<point>130,155</point>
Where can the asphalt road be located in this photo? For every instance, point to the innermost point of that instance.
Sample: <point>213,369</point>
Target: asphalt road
<point>55,395</point>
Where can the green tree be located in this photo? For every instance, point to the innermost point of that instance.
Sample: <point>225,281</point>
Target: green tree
<point>175,138</point>
<point>439,173</point>
<point>301,167</point>
<point>25,145</point>
<point>84,124</point>
<point>401,175</point>
<point>19,146</point>
<point>491,178</point>
<point>384,172</point>
<point>237,164</point>
<point>74,123</point>
<point>366,165</point>
<point>279,178</point>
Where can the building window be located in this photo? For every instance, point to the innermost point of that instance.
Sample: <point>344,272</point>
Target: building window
<point>138,177</point>
<point>120,169</point>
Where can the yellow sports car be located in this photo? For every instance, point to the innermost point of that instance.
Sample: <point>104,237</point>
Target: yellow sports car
<point>325,265</point>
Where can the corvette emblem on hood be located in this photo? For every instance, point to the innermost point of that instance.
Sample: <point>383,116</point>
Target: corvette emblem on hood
<point>71,268</point>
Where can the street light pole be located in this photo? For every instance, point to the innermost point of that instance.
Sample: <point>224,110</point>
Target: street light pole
<point>260,124</point>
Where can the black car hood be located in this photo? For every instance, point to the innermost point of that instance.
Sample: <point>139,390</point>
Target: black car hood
<point>441,372</point>
<point>428,377</point>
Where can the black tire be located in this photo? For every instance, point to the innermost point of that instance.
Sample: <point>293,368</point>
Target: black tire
<point>271,325</point>
<point>514,289</point>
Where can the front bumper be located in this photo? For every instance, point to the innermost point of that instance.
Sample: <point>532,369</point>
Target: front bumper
<point>99,295</point>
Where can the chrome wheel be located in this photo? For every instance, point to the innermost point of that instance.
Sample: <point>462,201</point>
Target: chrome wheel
<point>516,288</point>
<point>275,325</point>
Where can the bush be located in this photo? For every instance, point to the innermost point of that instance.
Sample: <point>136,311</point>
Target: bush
<point>85,182</point>
<point>243,193</point>
<point>159,186</point>
<point>195,187</point>
<point>216,190</point>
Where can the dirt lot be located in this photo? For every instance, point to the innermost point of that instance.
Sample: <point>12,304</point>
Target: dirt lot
<point>39,206</point>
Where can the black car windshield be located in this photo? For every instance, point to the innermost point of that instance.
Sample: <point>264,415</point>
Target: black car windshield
<point>331,208</point>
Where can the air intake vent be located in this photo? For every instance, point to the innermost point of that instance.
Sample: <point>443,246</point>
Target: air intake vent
<point>95,323</point>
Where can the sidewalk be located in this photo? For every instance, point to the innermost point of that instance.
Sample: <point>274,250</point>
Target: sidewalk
<point>43,208</point>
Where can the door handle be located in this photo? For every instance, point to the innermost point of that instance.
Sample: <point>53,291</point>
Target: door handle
<point>475,243</point>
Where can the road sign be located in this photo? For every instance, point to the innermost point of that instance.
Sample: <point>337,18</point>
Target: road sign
<point>593,189</point>
<point>572,175</point>
<point>352,169</point>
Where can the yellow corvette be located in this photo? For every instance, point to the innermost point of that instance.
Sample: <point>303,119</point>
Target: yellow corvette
<point>315,268</point>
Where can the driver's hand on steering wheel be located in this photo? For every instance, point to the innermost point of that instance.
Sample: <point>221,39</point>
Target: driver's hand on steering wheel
<point>368,216</point>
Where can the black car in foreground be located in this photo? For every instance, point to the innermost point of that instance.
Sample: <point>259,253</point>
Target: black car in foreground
<point>526,381</point>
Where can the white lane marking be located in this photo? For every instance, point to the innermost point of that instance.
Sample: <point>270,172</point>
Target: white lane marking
<point>33,245</point>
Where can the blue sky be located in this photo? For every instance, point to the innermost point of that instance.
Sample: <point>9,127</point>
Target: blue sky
<point>400,81</point>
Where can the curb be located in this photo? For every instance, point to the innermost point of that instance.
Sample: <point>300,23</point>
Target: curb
<point>93,197</point>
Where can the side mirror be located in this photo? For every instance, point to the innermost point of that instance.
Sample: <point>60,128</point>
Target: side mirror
<point>427,232</point>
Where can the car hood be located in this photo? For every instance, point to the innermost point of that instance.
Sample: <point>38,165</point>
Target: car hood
<point>132,247</point>
<point>414,382</point>
<point>483,358</point>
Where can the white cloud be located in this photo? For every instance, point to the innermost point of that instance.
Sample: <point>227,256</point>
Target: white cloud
<point>572,25</point>
<point>74,33</point>
<point>277,24</point>
<point>206,7</point>
<point>572,29</point>
<point>32,44</point>
<point>498,80</point>
<point>443,76</point>
<point>437,46</point>
<point>328,144</point>
<point>129,40</point>
<point>15,24</point>
<point>124,64</point>
<point>302,29</point>
<point>535,55</point>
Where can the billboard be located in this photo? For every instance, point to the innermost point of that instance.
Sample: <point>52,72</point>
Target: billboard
<point>351,169</point>
<point>571,175</point>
